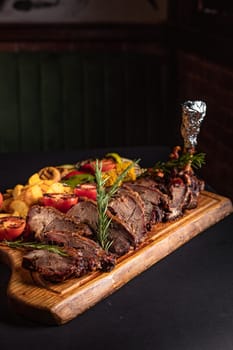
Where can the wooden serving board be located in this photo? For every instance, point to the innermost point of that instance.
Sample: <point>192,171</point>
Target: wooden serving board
<point>60,303</point>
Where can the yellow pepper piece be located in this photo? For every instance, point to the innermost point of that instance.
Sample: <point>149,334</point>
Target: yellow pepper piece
<point>115,156</point>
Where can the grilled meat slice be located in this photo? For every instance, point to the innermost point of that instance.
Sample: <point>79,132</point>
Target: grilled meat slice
<point>175,205</point>
<point>119,234</point>
<point>194,187</point>
<point>150,182</point>
<point>42,219</point>
<point>128,206</point>
<point>86,212</point>
<point>83,256</point>
<point>154,202</point>
<point>92,253</point>
<point>51,266</point>
<point>119,237</point>
<point>183,190</point>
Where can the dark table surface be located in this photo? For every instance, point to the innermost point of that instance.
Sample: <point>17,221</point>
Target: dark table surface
<point>184,302</point>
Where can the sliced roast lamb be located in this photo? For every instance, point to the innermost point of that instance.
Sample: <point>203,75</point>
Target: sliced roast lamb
<point>128,206</point>
<point>177,194</point>
<point>51,266</point>
<point>83,256</point>
<point>120,238</point>
<point>119,234</point>
<point>149,181</point>
<point>194,187</point>
<point>154,202</point>
<point>91,252</point>
<point>183,192</point>
<point>85,211</point>
<point>42,219</point>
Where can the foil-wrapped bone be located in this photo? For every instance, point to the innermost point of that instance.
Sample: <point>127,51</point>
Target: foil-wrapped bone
<point>193,113</point>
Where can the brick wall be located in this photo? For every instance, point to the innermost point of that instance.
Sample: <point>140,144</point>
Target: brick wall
<point>201,79</point>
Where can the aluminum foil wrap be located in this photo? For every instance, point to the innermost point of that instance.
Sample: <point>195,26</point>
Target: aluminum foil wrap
<point>193,113</point>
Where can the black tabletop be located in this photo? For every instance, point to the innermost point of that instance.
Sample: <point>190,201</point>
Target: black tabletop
<point>184,302</point>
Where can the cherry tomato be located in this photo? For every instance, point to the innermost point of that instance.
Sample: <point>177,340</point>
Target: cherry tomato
<point>107,164</point>
<point>60,201</point>
<point>11,227</point>
<point>1,200</point>
<point>86,191</point>
<point>73,173</point>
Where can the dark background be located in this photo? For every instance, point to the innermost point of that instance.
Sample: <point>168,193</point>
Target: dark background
<point>81,86</point>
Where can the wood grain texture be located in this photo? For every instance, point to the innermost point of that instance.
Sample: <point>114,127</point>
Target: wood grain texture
<point>60,303</point>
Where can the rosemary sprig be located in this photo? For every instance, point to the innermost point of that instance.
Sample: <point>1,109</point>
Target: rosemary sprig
<point>103,197</point>
<point>198,160</point>
<point>102,205</point>
<point>195,160</point>
<point>35,245</point>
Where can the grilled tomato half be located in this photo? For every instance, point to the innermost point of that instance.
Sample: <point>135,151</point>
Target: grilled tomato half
<point>11,227</point>
<point>1,200</point>
<point>60,201</point>
<point>86,191</point>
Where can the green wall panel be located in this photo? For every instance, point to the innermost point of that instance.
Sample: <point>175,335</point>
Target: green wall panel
<point>29,98</point>
<point>115,99</point>
<point>135,100</point>
<point>154,103</point>
<point>94,100</point>
<point>73,100</point>
<point>10,139</point>
<point>51,102</point>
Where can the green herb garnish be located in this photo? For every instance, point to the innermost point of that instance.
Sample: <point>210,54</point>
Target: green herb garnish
<point>78,179</point>
<point>103,197</point>
<point>102,205</point>
<point>35,245</point>
<point>195,160</point>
